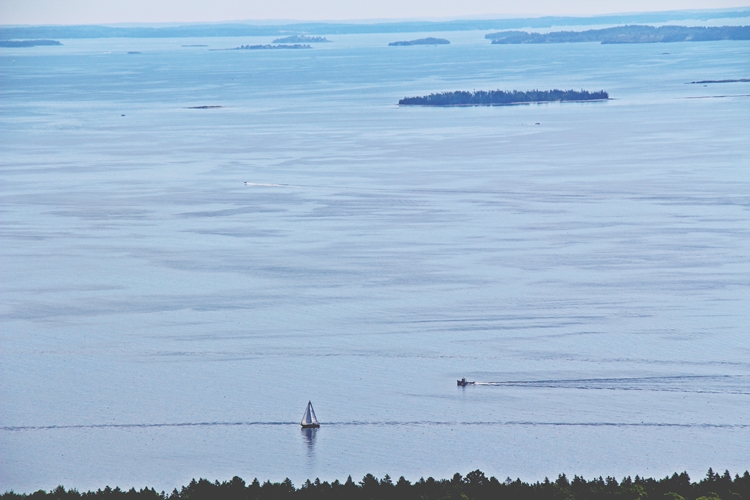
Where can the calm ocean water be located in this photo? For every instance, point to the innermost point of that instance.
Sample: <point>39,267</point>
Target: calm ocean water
<point>163,320</point>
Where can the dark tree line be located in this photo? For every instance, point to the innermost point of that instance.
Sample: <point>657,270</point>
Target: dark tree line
<point>474,486</point>
<point>496,97</point>
<point>27,43</point>
<point>266,47</point>
<point>633,33</point>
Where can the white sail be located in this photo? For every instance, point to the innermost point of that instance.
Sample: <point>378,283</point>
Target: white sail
<point>312,413</point>
<point>309,416</point>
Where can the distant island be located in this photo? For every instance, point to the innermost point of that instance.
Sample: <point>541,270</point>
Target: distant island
<point>475,485</point>
<point>499,97</point>
<point>627,34</point>
<point>268,47</point>
<point>421,41</point>
<point>27,43</point>
<point>741,80</point>
<point>302,39</point>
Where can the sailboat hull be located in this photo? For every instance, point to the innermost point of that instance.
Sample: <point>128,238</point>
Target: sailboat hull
<point>310,426</point>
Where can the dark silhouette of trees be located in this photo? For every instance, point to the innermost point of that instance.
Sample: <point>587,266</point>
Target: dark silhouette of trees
<point>421,41</point>
<point>27,43</point>
<point>500,97</point>
<point>271,47</point>
<point>474,486</point>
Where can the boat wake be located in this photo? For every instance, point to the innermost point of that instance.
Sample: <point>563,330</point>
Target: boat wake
<point>728,384</point>
<point>137,426</point>
<point>260,184</point>
<point>388,423</point>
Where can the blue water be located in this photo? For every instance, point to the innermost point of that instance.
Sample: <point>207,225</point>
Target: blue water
<point>163,320</point>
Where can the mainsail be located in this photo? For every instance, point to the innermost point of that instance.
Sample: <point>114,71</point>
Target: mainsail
<point>309,419</point>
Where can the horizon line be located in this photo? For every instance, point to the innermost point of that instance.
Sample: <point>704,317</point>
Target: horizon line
<point>376,21</point>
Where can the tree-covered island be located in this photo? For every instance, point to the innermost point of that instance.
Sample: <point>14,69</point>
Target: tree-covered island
<point>627,34</point>
<point>268,47</point>
<point>302,39</point>
<point>500,97</point>
<point>474,486</point>
<point>27,43</point>
<point>421,41</point>
<point>741,80</point>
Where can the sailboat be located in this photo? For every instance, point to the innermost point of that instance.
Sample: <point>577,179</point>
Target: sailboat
<point>308,419</point>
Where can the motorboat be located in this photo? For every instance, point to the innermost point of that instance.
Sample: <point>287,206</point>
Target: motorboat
<point>463,382</point>
<point>309,420</point>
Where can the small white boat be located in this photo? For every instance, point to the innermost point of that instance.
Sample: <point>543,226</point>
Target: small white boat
<point>308,419</point>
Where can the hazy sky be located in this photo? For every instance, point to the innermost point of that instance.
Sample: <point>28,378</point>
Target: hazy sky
<point>128,11</point>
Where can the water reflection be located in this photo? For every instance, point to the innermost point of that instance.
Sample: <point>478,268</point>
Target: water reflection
<point>309,436</point>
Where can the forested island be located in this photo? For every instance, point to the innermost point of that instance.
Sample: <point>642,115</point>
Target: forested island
<point>268,47</point>
<point>627,34</point>
<point>302,39</point>
<point>27,43</point>
<point>474,486</point>
<point>422,41</point>
<point>500,97</point>
<point>741,80</point>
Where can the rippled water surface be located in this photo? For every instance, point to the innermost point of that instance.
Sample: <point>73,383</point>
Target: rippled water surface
<point>177,283</point>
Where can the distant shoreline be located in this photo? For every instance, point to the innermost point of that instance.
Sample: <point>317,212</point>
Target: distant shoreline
<point>320,28</point>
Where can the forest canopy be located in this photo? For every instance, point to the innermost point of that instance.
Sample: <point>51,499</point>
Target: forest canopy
<point>474,486</point>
